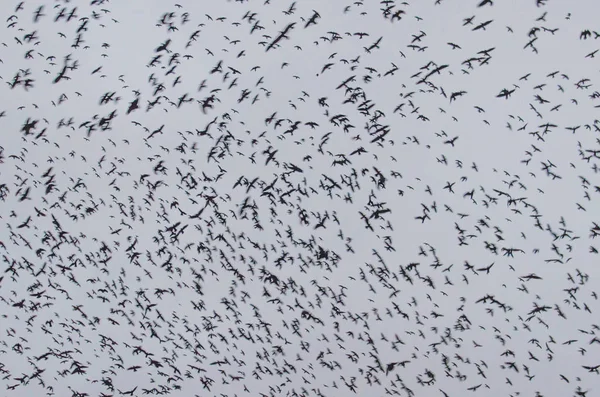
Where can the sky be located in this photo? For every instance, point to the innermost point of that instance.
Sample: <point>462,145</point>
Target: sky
<point>199,198</point>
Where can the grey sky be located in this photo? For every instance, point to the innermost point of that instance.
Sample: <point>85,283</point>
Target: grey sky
<point>409,279</point>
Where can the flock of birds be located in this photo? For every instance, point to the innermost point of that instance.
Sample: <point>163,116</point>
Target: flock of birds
<point>290,198</point>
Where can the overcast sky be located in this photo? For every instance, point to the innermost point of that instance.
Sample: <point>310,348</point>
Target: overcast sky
<point>299,198</point>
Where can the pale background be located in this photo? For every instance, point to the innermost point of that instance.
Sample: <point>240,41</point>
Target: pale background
<point>132,37</point>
